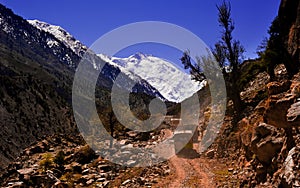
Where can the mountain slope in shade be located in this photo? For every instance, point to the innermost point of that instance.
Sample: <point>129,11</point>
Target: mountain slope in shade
<point>174,84</point>
<point>36,76</point>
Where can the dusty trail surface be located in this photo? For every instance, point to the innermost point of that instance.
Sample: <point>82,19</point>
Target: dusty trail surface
<point>188,169</point>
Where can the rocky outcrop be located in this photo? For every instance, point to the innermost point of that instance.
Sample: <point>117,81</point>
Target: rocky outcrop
<point>269,133</point>
<point>293,114</point>
<point>276,112</point>
<point>282,107</point>
<point>290,173</point>
<point>270,137</point>
<point>278,87</point>
<point>266,144</point>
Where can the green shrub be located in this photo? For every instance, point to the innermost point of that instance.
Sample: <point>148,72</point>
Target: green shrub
<point>59,159</point>
<point>47,161</point>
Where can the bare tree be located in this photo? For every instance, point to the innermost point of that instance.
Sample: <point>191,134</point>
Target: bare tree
<point>229,52</point>
<point>195,69</point>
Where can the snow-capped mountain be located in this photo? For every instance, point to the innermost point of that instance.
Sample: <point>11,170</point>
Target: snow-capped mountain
<point>174,84</point>
<point>61,34</point>
<point>108,73</point>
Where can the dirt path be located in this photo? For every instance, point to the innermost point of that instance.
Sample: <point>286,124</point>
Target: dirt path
<point>181,173</point>
<point>187,170</point>
<point>189,173</point>
<point>201,167</point>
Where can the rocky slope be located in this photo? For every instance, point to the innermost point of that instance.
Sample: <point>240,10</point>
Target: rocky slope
<point>34,85</point>
<point>36,73</point>
<point>263,148</point>
<point>65,161</point>
<point>270,137</point>
<point>270,133</point>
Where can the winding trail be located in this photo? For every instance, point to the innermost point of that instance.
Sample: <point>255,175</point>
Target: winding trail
<point>187,170</point>
<point>187,173</point>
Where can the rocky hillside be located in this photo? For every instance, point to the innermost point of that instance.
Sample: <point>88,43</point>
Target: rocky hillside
<point>65,161</point>
<point>267,138</point>
<point>36,73</point>
<point>34,85</point>
<point>270,133</point>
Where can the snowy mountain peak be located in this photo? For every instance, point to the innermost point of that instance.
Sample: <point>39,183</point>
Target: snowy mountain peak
<point>139,56</point>
<point>174,84</point>
<point>75,45</point>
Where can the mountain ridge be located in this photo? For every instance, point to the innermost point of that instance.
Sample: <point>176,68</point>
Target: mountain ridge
<point>108,70</point>
<point>172,83</point>
<point>163,77</point>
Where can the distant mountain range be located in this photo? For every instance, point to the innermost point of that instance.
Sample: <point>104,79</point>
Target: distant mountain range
<point>173,84</point>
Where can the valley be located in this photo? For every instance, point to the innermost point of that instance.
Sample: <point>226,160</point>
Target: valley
<point>56,133</point>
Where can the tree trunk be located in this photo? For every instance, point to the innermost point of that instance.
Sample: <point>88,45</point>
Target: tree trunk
<point>234,94</point>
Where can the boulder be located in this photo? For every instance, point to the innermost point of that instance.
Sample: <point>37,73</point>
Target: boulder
<point>266,149</point>
<point>104,167</point>
<point>26,171</point>
<point>60,184</point>
<point>76,167</point>
<point>291,171</point>
<point>132,133</point>
<point>83,155</point>
<point>89,182</point>
<point>101,180</point>
<point>126,182</point>
<point>277,108</point>
<point>275,88</point>
<point>16,184</point>
<point>295,86</point>
<point>263,130</point>
<point>293,115</point>
<point>246,134</point>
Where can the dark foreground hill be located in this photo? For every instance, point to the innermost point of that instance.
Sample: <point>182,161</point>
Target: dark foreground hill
<point>36,86</point>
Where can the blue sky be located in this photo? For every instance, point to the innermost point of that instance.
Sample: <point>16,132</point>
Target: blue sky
<point>88,20</point>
